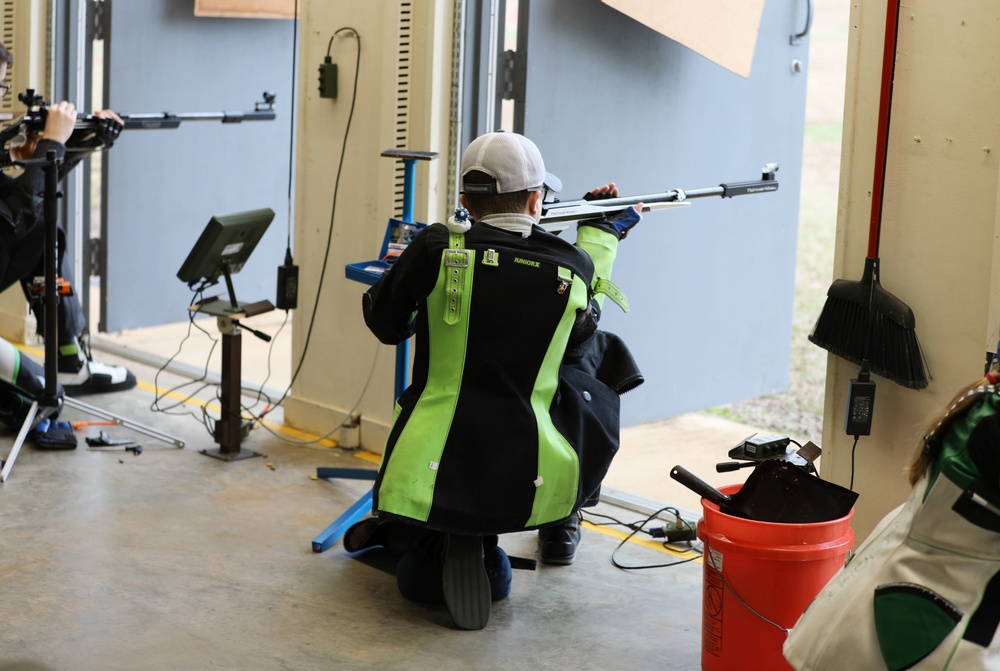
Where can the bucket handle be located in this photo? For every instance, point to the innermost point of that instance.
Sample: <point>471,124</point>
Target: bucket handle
<point>755,613</point>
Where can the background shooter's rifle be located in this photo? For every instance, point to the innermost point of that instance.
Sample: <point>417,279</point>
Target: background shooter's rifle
<point>558,215</point>
<point>93,133</point>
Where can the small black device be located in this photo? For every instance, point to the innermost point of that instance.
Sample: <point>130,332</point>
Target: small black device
<point>762,447</point>
<point>288,284</point>
<point>328,79</point>
<point>860,404</point>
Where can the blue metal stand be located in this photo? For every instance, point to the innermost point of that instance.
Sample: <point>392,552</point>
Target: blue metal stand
<point>358,510</point>
<point>357,272</point>
<point>409,159</point>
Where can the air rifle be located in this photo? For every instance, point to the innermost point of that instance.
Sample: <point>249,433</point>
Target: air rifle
<point>558,215</point>
<point>92,133</point>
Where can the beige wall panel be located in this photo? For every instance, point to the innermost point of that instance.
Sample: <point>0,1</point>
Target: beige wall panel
<point>340,372</point>
<point>938,228</point>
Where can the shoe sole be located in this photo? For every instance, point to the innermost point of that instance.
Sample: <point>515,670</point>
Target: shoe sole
<point>84,389</point>
<point>465,583</point>
<point>559,561</point>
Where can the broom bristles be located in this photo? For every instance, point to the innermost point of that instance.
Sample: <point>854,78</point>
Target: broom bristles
<point>854,331</point>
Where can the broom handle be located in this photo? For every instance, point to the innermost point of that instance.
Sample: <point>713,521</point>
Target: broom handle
<point>882,135</point>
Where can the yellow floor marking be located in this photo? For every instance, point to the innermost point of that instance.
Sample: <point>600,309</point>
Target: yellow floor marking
<point>652,545</point>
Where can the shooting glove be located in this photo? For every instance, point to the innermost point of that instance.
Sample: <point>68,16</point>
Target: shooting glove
<point>618,223</point>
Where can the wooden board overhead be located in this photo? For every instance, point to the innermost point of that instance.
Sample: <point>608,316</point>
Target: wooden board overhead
<point>723,31</point>
<point>246,9</point>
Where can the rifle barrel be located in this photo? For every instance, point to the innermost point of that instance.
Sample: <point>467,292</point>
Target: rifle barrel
<point>169,120</point>
<point>557,215</point>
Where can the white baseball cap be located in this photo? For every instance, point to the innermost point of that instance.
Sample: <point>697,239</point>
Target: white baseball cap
<point>512,160</point>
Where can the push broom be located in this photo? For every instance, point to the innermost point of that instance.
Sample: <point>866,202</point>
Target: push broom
<point>861,321</point>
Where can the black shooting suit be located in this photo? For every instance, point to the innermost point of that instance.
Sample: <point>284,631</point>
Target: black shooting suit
<point>22,239</point>
<point>499,431</point>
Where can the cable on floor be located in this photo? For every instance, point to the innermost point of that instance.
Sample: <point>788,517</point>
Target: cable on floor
<point>640,527</point>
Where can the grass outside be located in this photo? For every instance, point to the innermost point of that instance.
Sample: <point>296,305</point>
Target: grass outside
<point>798,411</point>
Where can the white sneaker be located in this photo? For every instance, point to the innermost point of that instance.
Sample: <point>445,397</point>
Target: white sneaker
<point>95,377</point>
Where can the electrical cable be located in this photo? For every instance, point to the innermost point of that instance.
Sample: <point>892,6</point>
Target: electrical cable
<point>155,405</point>
<point>364,390</point>
<point>205,416</point>
<point>288,273</point>
<point>291,122</point>
<point>637,527</point>
<point>634,526</point>
<point>270,351</point>
<point>853,448</point>
<point>333,211</point>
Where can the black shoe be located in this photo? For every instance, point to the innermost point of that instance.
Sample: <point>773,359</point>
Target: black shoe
<point>368,533</point>
<point>559,543</point>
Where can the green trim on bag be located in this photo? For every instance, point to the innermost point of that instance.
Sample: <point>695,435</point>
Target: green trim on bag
<point>17,366</point>
<point>910,622</point>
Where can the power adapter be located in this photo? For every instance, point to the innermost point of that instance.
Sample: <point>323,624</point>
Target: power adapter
<point>288,284</point>
<point>328,79</point>
<point>860,404</point>
<point>674,535</point>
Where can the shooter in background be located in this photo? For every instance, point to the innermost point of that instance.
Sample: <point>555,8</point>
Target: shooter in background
<point>22,237</point>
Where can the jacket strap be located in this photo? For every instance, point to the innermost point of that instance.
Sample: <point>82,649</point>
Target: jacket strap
<point>611,290</point>
<point>456,265</point>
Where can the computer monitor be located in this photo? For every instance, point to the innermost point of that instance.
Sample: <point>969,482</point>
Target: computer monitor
<point>225,245</point>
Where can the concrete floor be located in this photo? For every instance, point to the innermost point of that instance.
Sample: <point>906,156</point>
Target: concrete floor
<point>174,560</point>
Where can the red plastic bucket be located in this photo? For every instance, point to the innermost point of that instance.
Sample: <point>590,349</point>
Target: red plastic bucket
<point>775,569</point>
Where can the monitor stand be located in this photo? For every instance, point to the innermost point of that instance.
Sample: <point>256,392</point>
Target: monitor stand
<point>234,304</point>
<point>230,428</point>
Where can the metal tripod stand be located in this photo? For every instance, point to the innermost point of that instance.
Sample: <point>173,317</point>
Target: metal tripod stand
<point>49,402</point>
